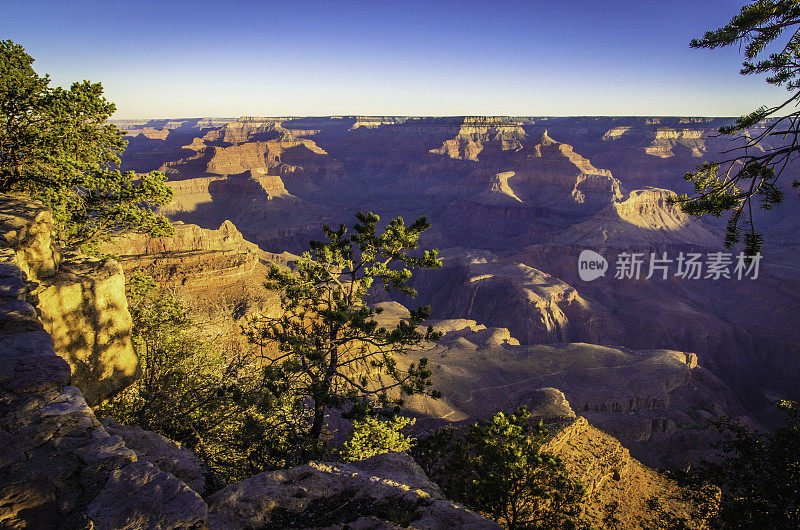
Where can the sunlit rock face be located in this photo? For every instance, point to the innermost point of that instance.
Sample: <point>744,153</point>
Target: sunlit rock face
<point>81,301</point>
<point>59,467</point>
<point>26,228</point>
<point>207,269</point>
<point>85,311</point>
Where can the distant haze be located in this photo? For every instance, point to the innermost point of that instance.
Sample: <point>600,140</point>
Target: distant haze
<point>181,58</point>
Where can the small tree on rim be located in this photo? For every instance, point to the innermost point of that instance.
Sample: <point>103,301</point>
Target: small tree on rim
<point>331,353</point>
<point>57,146</point>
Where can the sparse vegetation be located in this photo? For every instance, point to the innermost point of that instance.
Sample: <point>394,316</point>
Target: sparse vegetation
<point>194,393</point>
<point>374,436</point>
<point>331,352</point>
<point>753,168</point>
<point>497,468</point>
<point>758,472</point>
<point>57,147</point>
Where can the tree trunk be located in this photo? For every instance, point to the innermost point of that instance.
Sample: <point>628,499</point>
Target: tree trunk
<point>319,421</point>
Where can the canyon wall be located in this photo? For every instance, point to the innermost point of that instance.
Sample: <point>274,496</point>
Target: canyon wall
<point>513,201</point>
<point>81,300</point>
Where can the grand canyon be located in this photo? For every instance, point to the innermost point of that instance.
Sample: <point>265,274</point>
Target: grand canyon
<point>629,368</point>
<point>513,202</point>
<point>399,265</point>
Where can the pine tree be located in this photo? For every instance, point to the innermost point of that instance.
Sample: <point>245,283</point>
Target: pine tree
<point>758,472</point>
<point>497,468</point>
<point>753,168</point>
<point>331,352</point>
<point>57,146</point>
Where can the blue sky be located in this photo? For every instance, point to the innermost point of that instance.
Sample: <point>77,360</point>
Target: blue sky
<point>232,58</point>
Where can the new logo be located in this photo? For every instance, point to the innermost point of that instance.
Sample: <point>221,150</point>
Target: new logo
<point>591,265</point>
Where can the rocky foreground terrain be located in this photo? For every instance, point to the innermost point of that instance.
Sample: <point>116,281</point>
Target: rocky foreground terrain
<point>513,203</point>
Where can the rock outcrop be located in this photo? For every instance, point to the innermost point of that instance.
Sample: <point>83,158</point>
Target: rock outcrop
<point>212,271</point>
<point>164,454</point>
<point>652,401</point>
<point>26,228</point>
<point>81,301</point>
<point>535,306</point>
<point>386,491</point>
<point>85,311</point>
<point>620,490</point>
<point>643,218</point>
<point>59,468</point>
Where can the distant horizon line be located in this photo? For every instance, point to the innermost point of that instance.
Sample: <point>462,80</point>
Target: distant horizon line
<point>412,116</point>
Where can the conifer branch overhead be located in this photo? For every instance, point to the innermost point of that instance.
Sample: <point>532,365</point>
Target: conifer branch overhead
<point>753,167</point>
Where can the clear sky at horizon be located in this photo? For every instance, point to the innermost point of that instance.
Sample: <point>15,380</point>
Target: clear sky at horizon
<point>241,58</point>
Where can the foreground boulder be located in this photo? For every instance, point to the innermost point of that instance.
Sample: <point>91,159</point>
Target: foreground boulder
<point>163,453</point>
<point>385,491</point>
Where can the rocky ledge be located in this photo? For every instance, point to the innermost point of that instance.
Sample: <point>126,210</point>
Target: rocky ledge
<point>59,468</point>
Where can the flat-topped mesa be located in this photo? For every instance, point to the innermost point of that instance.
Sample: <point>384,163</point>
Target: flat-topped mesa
<point>475,132</point>
<point>663,140</point>
<point>276,152</point>
<point>373,122</point>
<point>247,129</point>
<point>153,133</point>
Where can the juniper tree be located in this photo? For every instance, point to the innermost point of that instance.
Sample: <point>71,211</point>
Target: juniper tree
<point>768,32</point>
<point>328,351</point>
<point>57,146</point>
<point>497,468</point>
<point>758,472</point>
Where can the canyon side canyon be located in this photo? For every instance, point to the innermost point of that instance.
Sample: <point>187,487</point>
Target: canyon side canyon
<point>513,202</point>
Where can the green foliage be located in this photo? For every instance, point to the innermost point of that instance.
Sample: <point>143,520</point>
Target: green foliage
<point>195,394</point>
<point>373,436</point>
<point>498,469</point>
<point>331,352</point>
<point>758,472</point>
<point>753,168</point>
<point>56,146</point>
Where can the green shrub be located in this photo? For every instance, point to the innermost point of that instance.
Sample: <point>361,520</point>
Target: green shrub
<point>373,436</point>
<point>497,468</point>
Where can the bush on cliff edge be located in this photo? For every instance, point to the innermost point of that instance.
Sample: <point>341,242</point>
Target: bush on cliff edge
<point>57,147</point>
